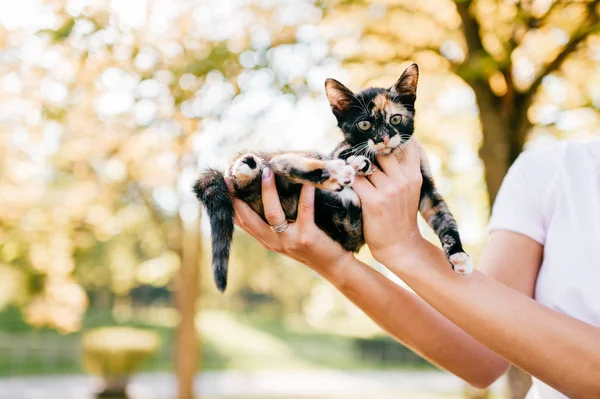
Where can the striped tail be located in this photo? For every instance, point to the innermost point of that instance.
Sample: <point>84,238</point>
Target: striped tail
<point>211,191</point>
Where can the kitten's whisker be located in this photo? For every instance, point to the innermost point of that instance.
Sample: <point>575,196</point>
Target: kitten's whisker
<point>364,105</point>
<point>357,151</point>
<point>371,153</point>
<point>359,145</point>
<point>364,151</point>
<point>358,106</point>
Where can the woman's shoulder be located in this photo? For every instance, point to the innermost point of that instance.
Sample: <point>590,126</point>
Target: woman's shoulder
<point>539,162</point>
<point>547,158</point>
<point>544,153</point>
<point>527,197</point>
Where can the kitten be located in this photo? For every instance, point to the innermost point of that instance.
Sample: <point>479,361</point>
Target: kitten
<point>373,121</point>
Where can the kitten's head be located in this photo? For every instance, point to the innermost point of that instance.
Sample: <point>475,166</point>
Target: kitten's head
<point>377,119</point>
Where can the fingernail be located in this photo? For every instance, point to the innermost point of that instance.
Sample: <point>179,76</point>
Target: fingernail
<point>267,173</point>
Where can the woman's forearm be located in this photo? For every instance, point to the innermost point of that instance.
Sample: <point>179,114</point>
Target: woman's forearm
<point>403,314</point>
<point>416,324</point>
<point>561,351</point>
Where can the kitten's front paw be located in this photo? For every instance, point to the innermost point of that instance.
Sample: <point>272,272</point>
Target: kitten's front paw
<point>340,175</point>
<point>461,263</point>
<point>361,164</point>
<point>246,168</point>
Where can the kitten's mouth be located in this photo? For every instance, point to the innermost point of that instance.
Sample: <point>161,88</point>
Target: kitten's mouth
<point>385,148</point>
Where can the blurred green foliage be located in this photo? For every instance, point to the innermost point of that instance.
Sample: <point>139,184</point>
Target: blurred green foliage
<point>254,343</point>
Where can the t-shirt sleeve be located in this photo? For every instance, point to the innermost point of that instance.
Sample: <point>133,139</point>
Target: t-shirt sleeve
<point>519,205</point>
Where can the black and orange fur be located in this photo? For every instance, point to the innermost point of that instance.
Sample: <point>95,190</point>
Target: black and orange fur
<point>373,121</point>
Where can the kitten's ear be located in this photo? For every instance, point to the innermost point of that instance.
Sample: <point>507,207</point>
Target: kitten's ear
<point>340,97</point>
<point>406,86</point>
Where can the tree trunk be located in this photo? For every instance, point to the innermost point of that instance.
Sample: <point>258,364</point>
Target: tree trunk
<point>495,150</point>
<point>504,128</point>
<point>187,292</point>
<point>497,153</point>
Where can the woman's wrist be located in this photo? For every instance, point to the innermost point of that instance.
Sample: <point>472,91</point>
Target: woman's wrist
<point>421,262</point>
<point>405,252</point>
<point>334,269</point>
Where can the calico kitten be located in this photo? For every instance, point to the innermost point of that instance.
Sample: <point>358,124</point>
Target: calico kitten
<point>373,121</point>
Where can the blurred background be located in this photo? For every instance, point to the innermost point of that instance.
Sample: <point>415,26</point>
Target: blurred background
<point>109,110</point>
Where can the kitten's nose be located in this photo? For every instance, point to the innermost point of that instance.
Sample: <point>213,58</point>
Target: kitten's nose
<point>386,139</point>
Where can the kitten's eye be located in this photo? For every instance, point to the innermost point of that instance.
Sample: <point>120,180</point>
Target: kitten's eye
<point>396,119</point>
<point>364,125</point>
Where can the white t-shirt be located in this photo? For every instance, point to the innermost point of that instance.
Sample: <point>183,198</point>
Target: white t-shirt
<point>552,195</point>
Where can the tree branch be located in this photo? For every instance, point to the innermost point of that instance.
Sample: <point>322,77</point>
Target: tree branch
<point>470,28</point>
<point>535,22</point>
<point>479,63</point>
<point>358,59</point>
<point>579,36</point>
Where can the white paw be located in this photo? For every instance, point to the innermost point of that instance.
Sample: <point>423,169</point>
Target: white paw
<point>462,263</point>
<point>340,175</point>
<point>247,167</point>
<point>361,164</point>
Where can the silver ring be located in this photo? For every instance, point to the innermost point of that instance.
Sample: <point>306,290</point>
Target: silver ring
<point>281,227</point>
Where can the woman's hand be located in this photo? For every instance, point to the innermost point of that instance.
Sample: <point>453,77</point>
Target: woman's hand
<point>303,240</point>
<point>390,200</point>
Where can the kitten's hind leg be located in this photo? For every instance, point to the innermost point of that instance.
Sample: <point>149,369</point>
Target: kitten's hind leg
<point>327,174</point>
<point>436,213</point>
<point>245,169</point>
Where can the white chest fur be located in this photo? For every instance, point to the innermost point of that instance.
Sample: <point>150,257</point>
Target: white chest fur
<point>347,195</point>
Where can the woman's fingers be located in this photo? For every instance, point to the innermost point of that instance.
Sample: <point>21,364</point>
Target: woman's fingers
<point>363,188</point>
<point>249,220</point>
<point>229,185</point>
<point>390,165</point>
<point>253,224</point>
<point>270,198</point>
<point>378,178</point>
<point>412,157</point>
<point>408,166</point>
<point>306,205</point>
<point>246,218</point>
